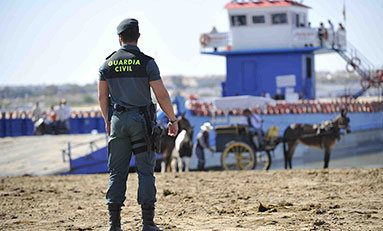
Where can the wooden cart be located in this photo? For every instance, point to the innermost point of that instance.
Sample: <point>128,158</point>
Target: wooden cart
<point>239,151</point>
<point>235,141</point>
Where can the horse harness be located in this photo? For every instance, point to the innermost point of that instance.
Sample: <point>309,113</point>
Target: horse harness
<point>322,130</point>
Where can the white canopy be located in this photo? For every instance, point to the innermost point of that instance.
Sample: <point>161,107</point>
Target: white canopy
<point>242,102</point>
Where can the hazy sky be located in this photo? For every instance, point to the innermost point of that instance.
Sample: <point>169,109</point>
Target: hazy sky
<point>56,41</point>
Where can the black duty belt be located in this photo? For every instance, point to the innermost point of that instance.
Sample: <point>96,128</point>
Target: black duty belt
<point>120,108</point>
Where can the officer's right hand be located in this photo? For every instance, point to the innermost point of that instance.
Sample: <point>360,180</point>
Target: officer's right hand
<point>172,129</point>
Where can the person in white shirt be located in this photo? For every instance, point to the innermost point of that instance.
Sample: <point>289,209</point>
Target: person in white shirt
<point>37,113</point>
<point>255,122</point>
<point>202,144</point>
<point>63,116</point>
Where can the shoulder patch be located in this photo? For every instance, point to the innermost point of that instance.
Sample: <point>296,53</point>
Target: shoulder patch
<point>110,55</point>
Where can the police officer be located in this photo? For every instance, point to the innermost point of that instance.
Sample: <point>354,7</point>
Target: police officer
<point>126,77</point>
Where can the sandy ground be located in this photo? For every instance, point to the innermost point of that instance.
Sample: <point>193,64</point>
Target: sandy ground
<point>335,199</point>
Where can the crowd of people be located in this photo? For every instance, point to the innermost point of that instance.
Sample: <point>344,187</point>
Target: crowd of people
<point>55,120</point>
<point>330,36</point>
<point>199,108</point>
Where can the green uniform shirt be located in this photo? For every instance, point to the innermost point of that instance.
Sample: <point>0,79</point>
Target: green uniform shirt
<point>128,73</point>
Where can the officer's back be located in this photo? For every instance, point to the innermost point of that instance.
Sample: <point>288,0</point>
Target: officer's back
<point>126,72</point>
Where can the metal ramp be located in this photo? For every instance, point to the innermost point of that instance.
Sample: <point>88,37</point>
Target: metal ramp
<point>95,161</point>
<point>356,61</point>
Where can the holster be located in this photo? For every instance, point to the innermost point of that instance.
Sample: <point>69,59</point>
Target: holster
<point>154,131</point>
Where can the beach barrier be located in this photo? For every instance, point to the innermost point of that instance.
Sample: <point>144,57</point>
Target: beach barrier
<point>13,124</point>
<point>299,107</point>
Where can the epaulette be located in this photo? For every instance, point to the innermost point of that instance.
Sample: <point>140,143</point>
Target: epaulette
<point>147,56</point>
<point>110,55</point>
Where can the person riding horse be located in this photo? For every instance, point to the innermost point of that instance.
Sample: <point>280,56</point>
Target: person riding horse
<point>254,123</point>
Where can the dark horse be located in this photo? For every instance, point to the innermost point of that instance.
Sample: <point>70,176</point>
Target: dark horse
<point>168,143</point>
<point>322,136</point>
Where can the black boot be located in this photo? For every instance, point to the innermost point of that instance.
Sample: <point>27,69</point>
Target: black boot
<point>114,217</point>
<point>147,218</point>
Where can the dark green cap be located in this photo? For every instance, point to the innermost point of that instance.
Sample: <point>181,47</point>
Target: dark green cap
<point>125,24</point>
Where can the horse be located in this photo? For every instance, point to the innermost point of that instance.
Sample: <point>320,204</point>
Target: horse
<point>168,142</point>
<point>182,151</point>
<point>322,136</point>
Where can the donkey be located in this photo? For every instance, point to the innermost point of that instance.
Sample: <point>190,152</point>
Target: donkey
<point>321,136</point>
<point>168,142</point>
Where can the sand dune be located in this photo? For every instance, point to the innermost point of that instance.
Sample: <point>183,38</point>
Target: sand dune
<point>336,199</point>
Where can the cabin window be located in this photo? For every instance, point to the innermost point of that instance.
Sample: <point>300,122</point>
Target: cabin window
<point>303,22</point>
<point>238,20</point>
<point>279,18</point>
<point>309,67</point>
<point>258,19</point>
<point>297,21</point>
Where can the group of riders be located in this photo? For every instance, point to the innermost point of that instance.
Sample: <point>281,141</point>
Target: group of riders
<point>321,135</point>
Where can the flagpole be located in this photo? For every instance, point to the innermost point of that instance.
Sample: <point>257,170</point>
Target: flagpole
<point>344,13</point>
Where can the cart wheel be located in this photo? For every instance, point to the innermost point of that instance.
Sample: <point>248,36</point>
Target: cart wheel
<point>263,160</point>
<point>237,156</point>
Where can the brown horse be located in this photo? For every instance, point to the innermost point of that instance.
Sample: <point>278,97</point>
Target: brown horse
<point>321,136</point>
<point>168,142</point>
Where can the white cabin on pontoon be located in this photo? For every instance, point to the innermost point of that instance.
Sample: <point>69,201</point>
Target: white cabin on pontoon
<point>271,46</point>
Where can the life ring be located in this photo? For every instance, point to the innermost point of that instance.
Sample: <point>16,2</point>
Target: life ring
<point>350,67</point>
<point>356,61</point>
<point>353,64</point>
<point>204,40</point>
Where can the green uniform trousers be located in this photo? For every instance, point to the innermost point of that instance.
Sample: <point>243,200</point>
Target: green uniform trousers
<point>127,136</point>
